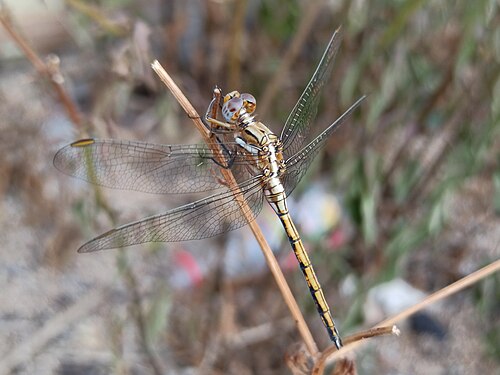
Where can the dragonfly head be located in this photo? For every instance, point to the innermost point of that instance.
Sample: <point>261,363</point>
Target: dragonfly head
<point>236,105</point>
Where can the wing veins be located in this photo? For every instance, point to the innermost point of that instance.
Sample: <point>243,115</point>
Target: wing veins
<point>176,217</point>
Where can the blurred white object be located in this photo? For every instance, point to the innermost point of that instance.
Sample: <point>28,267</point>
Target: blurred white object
<point>317,211</point>
<point>390,298</point>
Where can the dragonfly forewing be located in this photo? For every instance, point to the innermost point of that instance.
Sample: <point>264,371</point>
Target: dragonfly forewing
<point>149,168</point>
<point>207,217</point>
<point>298,164</point>
<point>298,123</point>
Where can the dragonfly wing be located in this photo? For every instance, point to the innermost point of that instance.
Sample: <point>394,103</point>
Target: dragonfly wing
<point>204,218</point>
<point>297,125</point>
<point>297,165</point>
<point>147,167</point>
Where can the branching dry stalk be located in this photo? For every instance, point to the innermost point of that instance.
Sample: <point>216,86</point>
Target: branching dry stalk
<point>326,355</point>
<point>50,70</point>
<point>372,332</point>
<point>231,182</point>
<point>331,356</point>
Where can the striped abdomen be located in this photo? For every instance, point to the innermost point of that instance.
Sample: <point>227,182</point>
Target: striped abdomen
<point>277,199</point>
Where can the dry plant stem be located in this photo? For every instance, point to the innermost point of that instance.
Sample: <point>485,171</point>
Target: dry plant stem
<point>311,12</point>
<point>445,292</point>
<point>345,367</point>
<point>372,332</point>
<point>437,296</point>
<point>320,364</point>
<point>42,69</point>
<point>268,254</point>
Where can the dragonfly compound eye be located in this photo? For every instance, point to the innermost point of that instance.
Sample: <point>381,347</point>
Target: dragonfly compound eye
<point>249,102</point>
<point>230,95</point>
<point>231,109</point>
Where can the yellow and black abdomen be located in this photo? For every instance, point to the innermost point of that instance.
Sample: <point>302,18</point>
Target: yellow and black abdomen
<point>311,278</point>
<point>277,199</point>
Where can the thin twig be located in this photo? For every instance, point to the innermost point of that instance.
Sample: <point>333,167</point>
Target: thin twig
<point>437,296</point>
<point>230,180</point>
<point>372,332</point>
<point>445,292</point>
<point>50,70</point>
<point>323,359</point>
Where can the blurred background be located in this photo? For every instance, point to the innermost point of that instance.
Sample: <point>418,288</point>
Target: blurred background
<point>404,200</point>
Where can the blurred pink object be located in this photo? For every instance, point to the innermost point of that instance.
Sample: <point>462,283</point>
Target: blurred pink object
<point>189,264</point>
<point>337,238</point>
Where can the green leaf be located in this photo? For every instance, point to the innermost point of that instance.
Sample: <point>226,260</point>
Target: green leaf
<point>406,179</point>
<point>157,316</point>
<point>368,209</point>
<point>436,219</point>
<point>496,193</point>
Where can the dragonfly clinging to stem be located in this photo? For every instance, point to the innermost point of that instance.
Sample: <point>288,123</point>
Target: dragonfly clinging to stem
<point>265,166</point>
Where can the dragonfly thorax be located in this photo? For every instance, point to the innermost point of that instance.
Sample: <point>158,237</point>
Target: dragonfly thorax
<point>257,139</point>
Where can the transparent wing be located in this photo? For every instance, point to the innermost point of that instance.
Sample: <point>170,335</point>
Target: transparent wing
<point>297,165</point>
<point>147,167</point>
<point>204,218</point>
<point>297,125</point>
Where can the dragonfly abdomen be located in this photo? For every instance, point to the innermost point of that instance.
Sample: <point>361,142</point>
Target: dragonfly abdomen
<point>311,278</point>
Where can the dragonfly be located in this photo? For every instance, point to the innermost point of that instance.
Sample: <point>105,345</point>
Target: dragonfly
<point>265,166</point>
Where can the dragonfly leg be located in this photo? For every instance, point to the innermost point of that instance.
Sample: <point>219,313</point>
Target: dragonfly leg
<point>214,106</point>
<point>226,154</point>
<point>225,126</point>
<point>214,125</point>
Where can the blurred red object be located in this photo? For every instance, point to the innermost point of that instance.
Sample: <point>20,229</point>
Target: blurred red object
<point>189,264</point>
